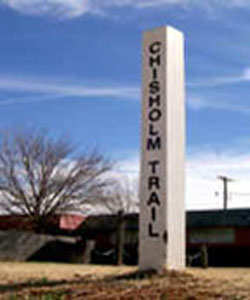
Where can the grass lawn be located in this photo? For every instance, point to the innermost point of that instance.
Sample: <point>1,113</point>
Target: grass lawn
<point>47,281</point>
<point>20,272</point>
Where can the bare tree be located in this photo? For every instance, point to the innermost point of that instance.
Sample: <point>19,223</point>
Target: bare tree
<point>41,176</point>
<point>121,200</point>
<point>122,196</point>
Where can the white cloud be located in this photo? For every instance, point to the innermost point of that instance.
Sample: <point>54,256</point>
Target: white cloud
<point>45,89</point>
<point>66,9</point>
<point>126,170</point>
<point>203,189</point>
<point>199,102</point>
<point>57,8</point>
<point>141,3</point>
<point>202,183</point>
<point>211,3</point>
<point>244,76</point>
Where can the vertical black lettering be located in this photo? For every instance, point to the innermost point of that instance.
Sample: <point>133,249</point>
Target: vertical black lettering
<point>151,232</point>
<point>155,47</point>
<point>153,165</point>
<point>153,181</point>
<point>153,199</point>
<point>154,115</point>
<point>156,100</point>
<point>153,213</point>
<point>154,61</point>
<point>152,130</point>
<point>154,73</point>
<point>154,143</point>
<point>154,87</point>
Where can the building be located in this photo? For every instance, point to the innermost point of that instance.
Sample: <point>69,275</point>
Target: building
<point>19,242</point>
<point>225,234</point>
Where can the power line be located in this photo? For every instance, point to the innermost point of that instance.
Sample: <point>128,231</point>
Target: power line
<point>240,194</point>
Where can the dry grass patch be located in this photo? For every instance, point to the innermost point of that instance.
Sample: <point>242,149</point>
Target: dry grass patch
<point>62,281</point>
<point>20,272</point>
<point>238,277</point>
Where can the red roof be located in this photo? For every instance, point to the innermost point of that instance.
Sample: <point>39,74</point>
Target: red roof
<point>66,222</point>
<point>71,222</point>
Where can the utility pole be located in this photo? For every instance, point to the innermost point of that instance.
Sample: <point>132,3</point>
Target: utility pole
<point>225,181</point>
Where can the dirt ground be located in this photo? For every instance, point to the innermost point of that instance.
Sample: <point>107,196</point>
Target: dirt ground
<point>60,281</point>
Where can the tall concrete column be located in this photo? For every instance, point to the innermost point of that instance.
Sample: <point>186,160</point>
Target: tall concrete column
<point>162,207</point>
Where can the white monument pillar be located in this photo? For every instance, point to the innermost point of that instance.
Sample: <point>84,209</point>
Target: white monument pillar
<point>162,207</point>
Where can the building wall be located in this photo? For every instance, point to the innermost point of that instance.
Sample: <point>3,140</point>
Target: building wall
<point>224,236</point>
<point>226,246</point>
<point>27,246</point>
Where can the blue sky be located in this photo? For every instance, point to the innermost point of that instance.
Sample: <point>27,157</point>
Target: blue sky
<point>74,67</point>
